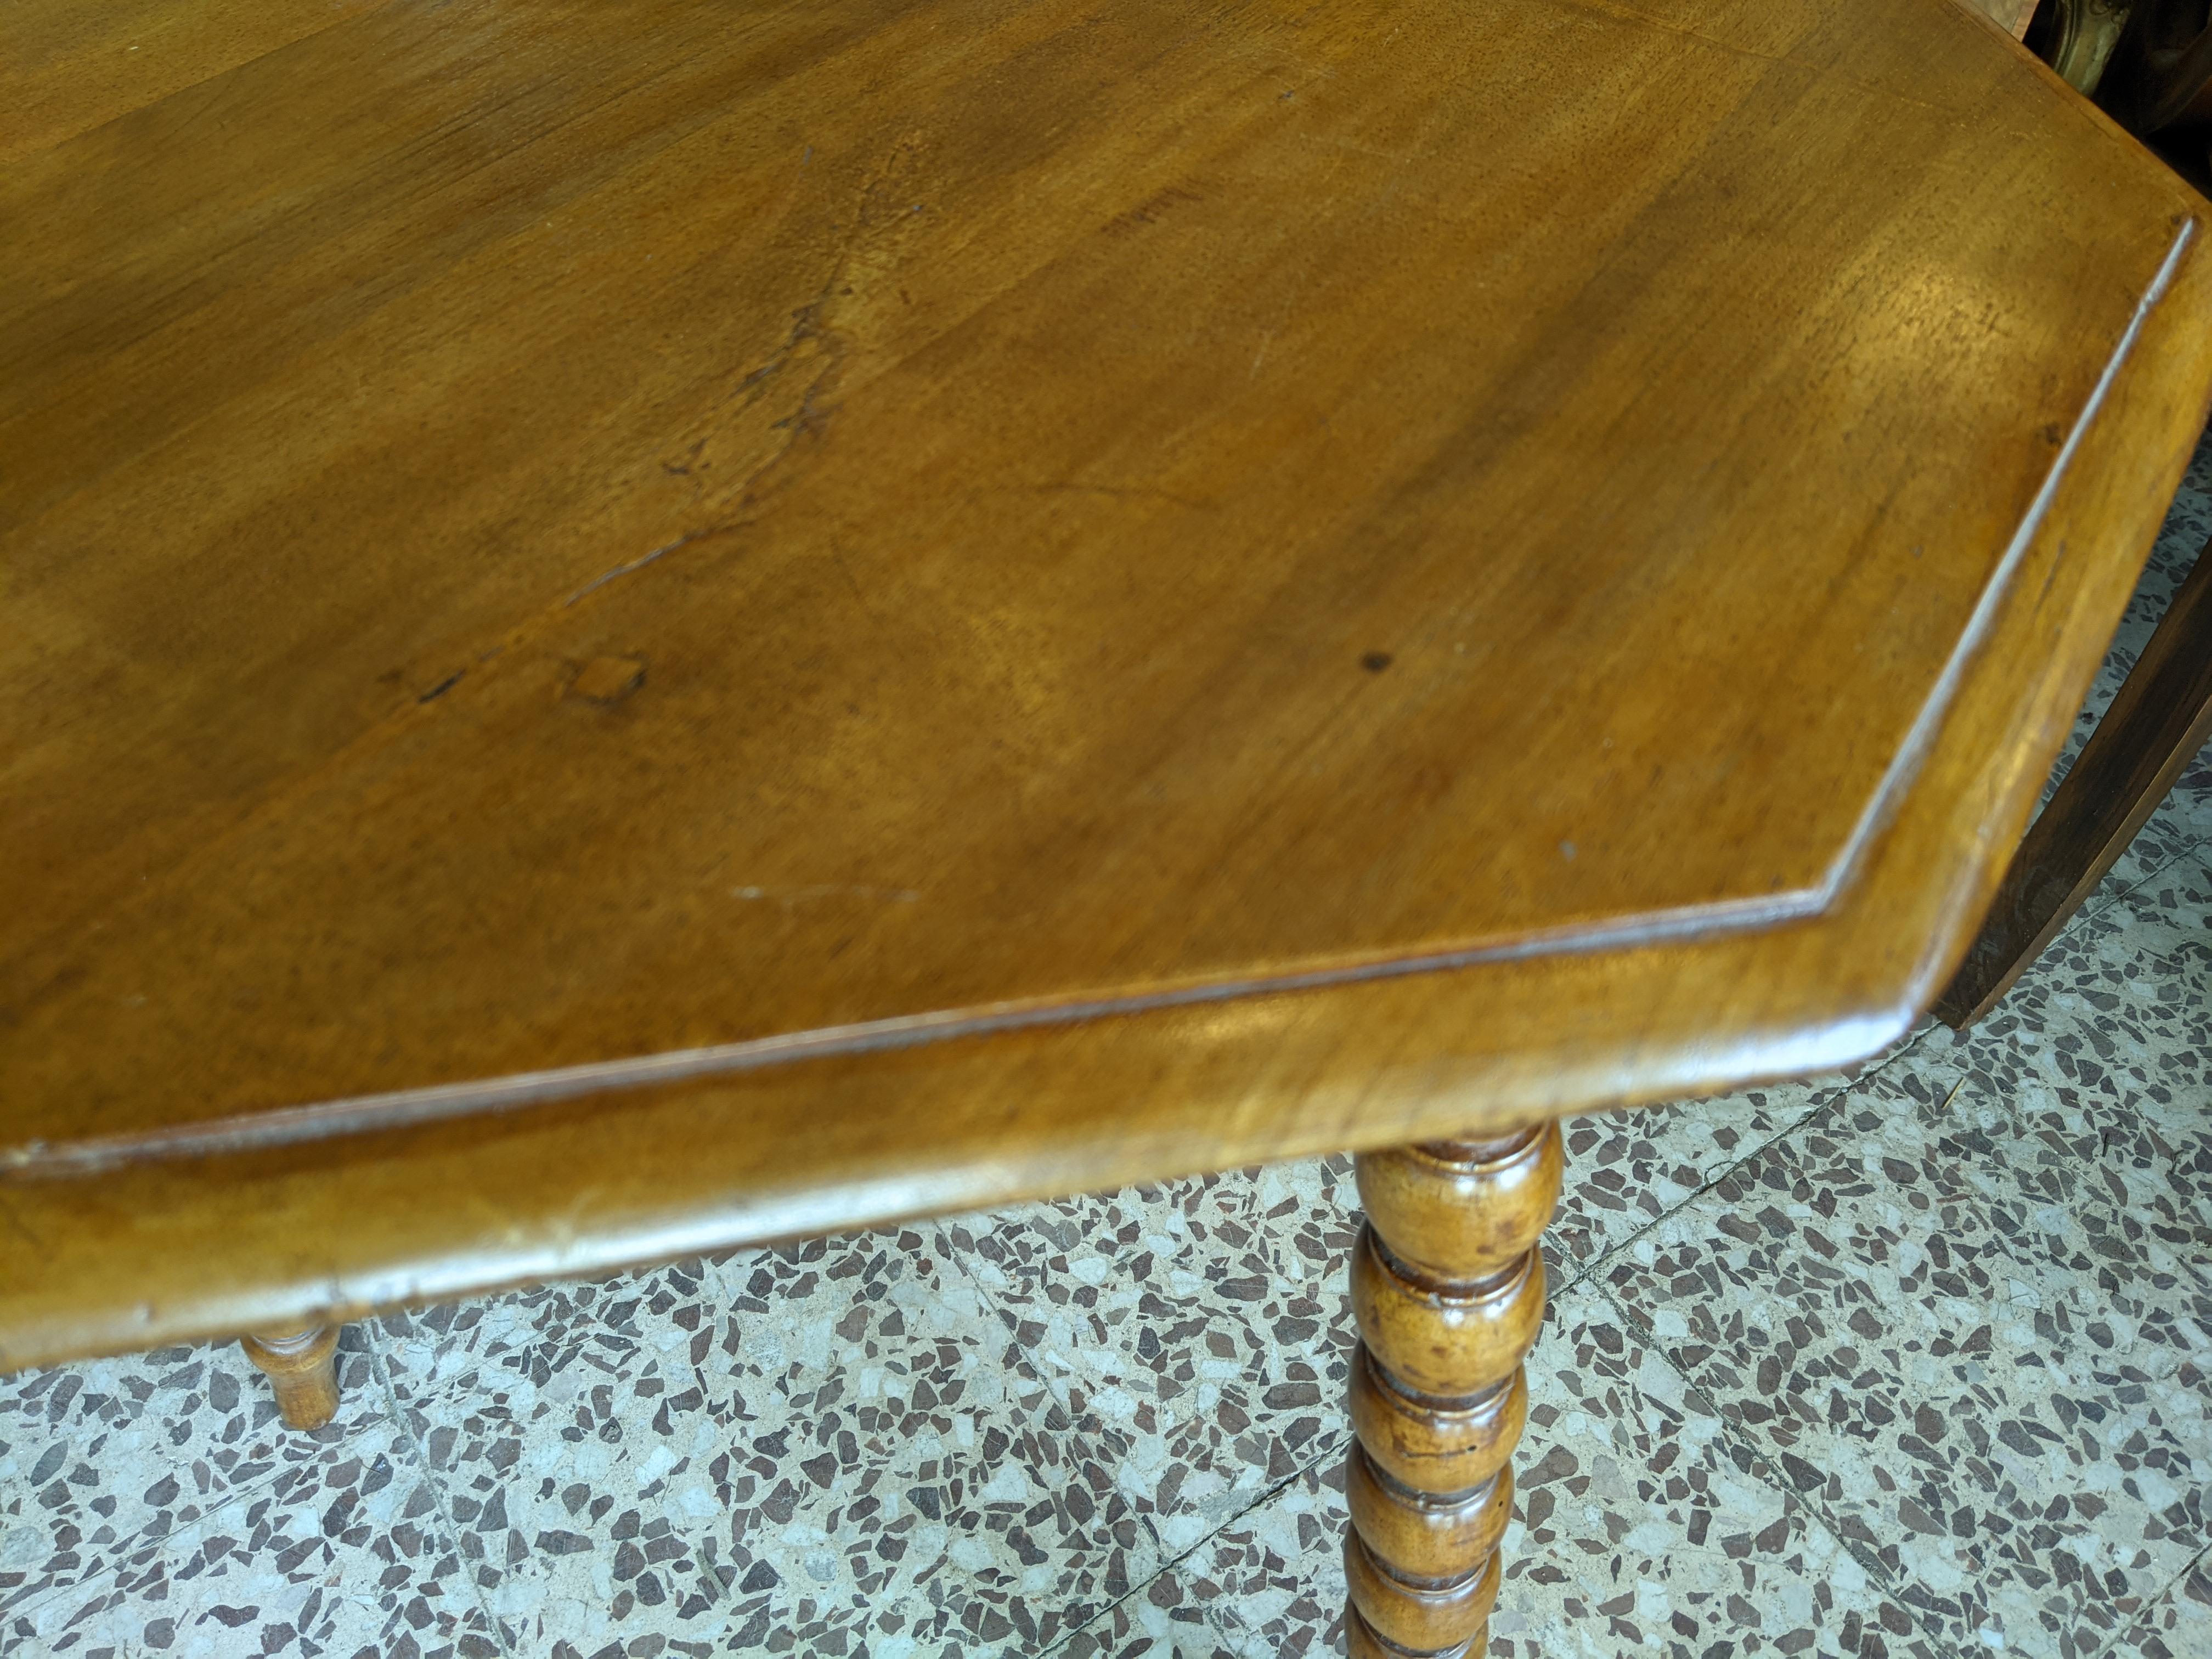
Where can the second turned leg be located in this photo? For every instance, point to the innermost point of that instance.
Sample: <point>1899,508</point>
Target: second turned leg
<point>1448,1292</point>
<point>302,1367</point>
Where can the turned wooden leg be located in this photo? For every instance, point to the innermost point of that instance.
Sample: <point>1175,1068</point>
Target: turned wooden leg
<point>1447,1290</point>
<point>303,1367</point>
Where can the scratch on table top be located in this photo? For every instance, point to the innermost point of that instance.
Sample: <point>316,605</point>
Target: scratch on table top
<point>645,559</point>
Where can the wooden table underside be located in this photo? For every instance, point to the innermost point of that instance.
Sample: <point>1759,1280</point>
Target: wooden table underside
<point>644,630</point>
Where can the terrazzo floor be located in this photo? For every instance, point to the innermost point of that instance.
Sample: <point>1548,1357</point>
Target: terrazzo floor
<point>1915,1364</point>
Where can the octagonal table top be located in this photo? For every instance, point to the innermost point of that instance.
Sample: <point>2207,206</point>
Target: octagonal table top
<point>636,628</point>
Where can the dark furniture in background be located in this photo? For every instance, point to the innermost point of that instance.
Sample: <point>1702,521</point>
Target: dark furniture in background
<point>2161,717</point>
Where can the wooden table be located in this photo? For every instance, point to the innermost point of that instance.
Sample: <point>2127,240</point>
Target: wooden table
<point>640,628</point>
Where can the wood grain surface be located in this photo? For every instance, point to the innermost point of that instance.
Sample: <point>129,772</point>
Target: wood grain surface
<point>941,600</point>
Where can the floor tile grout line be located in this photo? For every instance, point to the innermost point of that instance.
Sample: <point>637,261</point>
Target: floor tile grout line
<point>2111,1648</point>
<point>957,1259</point>
<point>2101,901</point>
<point>1818,1105</point>
<point>2117,1211</point>
<point>1169,1558</point>
<point>1170,1563</point>
<point>380,1368</point>
<point>1338,1446</point>
<point>231,1499</point>
<point>1815,1504</point>
<point>160,1547</point>
<point>1064,1396</point>
<point>1062,1391</point>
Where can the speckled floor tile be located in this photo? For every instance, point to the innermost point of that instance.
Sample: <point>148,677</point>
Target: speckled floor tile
<point>1990,1395</point>
<point>1272,1581</point>
<point>1204,1320</point>
<point>342,1552</point>
<point>1638,1530</point>
<point>831,1449</point>
<point>2126,1025</point>
<point>100,1458</point>
<point>2100,1060</point>
<point>1207,1318</point>
<point>1645,1526</point>
<point>1174,1616</point>
<point>2178,1624</point>
<point>1625,1170</point>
